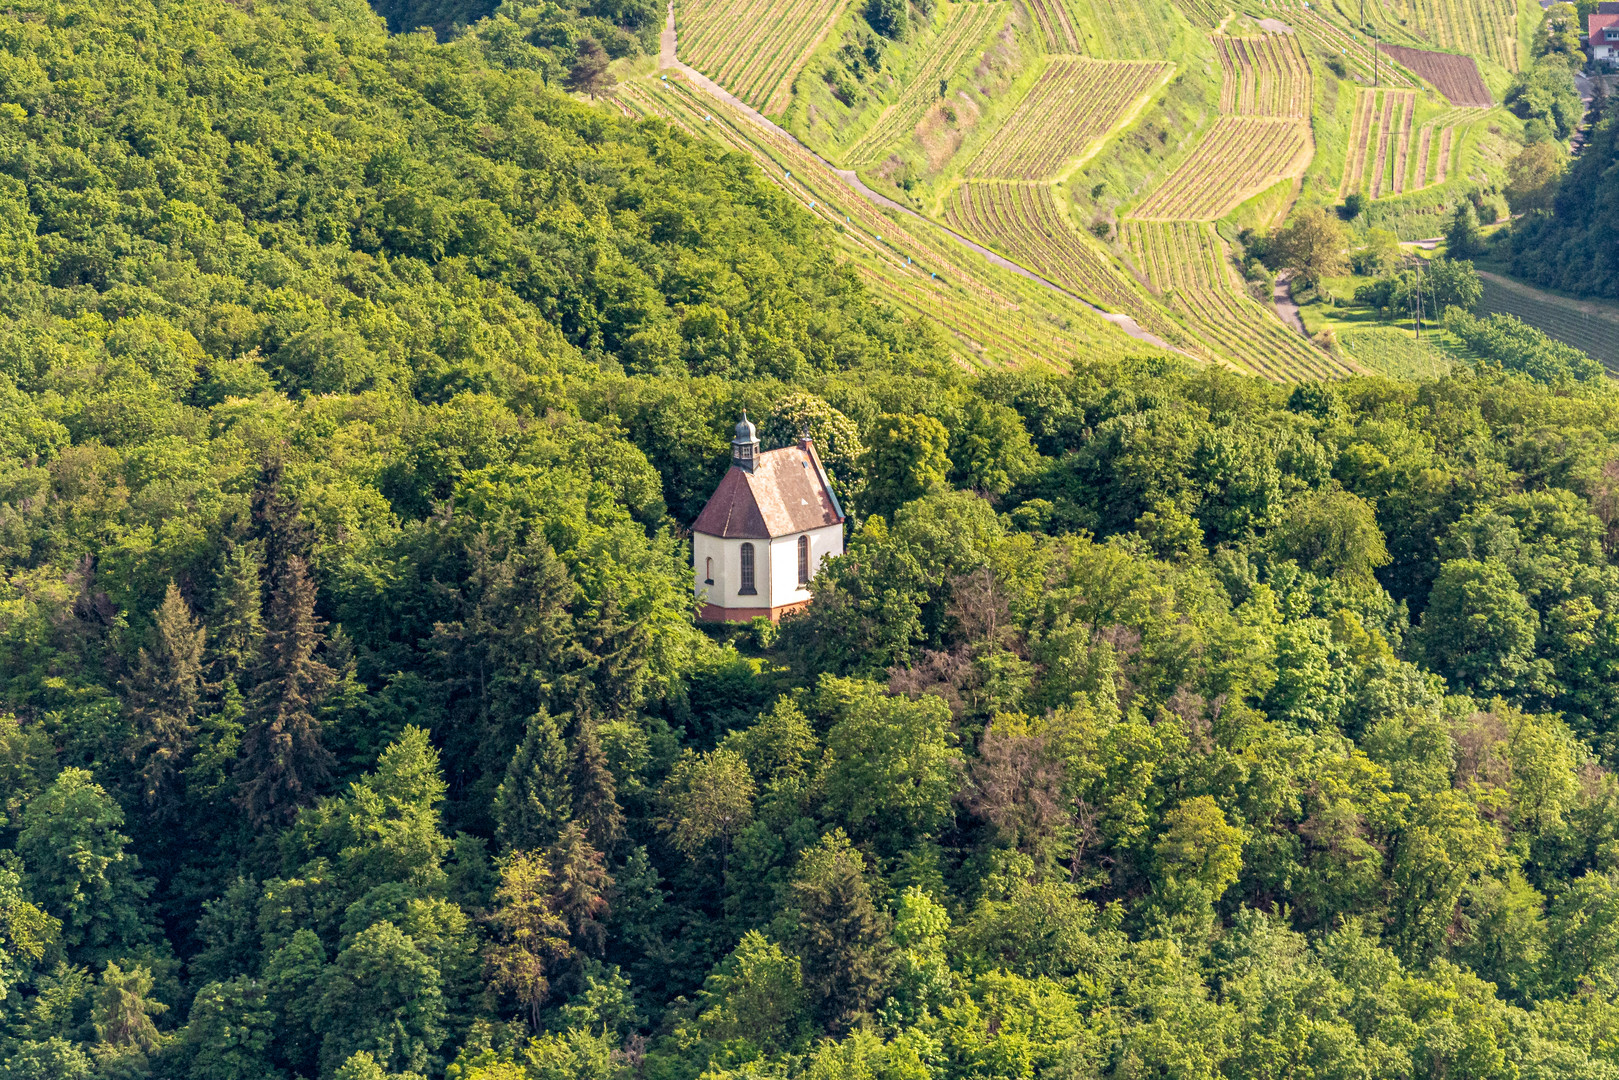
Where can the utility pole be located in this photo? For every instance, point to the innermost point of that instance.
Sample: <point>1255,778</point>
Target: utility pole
<point>1418,319</point>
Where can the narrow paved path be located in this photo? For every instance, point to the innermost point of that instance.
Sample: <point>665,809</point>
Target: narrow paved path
<point>668,59</point>
<point>1281,296</point>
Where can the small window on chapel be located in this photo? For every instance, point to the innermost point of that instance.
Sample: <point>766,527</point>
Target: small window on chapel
<point>708,570</point>
<point>803,560</point>
<point>747,588</point>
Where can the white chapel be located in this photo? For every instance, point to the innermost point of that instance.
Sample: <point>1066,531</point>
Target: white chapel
<point>763,533</point>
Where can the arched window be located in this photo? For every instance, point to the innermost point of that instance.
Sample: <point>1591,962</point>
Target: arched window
<point>803,560</point>
<point>708,570</point>
<point>747,588</point>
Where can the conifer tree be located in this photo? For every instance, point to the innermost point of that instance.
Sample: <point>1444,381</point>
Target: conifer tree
<point>162,694</point>
<point>124,1008</point>
<point>595,789</point>
<point>842,935</point>
<point>616,646</point>
<point>508,653</point>
<point>238,614</point>
<point>535,800</point>
<point>580,883</point>
<point>277,527</point>
<point>283,763</point>
<point>529,937</point>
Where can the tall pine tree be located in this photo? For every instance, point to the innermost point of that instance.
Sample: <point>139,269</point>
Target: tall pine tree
<point>238,614</point>
<point>536,798</point>
<point>162,695</point>
<point>842,934</point>
<point>277,526</point>
<point>505,656</point>
<point>595,790</point>
<point>283,763</point>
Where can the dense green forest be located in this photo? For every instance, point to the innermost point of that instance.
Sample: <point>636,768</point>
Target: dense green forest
<point>1560,242</point>
<point>358,390</point>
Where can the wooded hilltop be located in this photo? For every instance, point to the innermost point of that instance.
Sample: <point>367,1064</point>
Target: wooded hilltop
<point>358,392</point>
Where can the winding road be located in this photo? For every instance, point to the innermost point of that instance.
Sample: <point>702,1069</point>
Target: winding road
<point>667,59</point>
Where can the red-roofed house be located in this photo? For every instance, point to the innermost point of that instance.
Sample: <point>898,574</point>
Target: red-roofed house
<point>1603,31</point>
<point>763,533</point>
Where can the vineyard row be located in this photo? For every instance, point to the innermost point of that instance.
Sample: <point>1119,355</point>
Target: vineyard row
<point>1239,157</point>
<point>1074,102</point>
<point>968,23</point>
<point>1263,76</point>
<point>1395,170</point>
<point>755,53</point>
<point>1022,220</point>
<point>1187,262</point>
<point>1333,39</point>
<point>914,267</point>
<point>1130,30</point>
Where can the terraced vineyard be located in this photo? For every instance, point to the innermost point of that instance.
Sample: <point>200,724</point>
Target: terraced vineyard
<point>758,52</point>
<point>1402,147</point>
<point>1438,146</point>
<point>1401,158</point>
<point>1131,29</point>
<point>1470,27</point>
<point>1205,13</point>
<point>913,264</point>
<point>1263,76</point>
<point>1187,262</point>
<point>1360,130</point>
<point>1022,221</point>
<point>1456,77</point>
<point>1075,102</point>
<point>1396,105</point>
<point>1056,25</point>
<point>966,26</point>
<point>1239,157</point>
<point>1357,54</point>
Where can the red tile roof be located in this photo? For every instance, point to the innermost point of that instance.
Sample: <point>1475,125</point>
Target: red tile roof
<point>1595,23</point>
<point>787,492</point>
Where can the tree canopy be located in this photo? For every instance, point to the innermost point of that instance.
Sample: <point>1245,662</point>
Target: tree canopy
<point>355,723</point>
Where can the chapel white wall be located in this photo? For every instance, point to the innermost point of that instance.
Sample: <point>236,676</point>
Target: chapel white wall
<point>775,567</point>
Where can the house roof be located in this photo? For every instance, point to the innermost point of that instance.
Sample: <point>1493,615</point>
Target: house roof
<point>1598,21</point>
<point>787,492</point>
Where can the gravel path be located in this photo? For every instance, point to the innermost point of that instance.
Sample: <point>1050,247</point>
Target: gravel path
<point>1281,295</point>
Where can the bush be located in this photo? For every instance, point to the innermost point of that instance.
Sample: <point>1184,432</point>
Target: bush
<point>890,18</point>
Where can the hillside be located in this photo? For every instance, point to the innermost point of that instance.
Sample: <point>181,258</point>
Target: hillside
<point>1104,114</point>
<point>1185,702</point>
